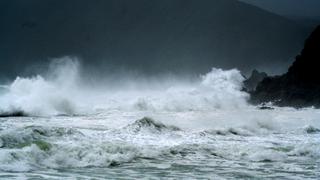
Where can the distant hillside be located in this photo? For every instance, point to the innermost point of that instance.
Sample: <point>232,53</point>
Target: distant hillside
<point>145,35</point>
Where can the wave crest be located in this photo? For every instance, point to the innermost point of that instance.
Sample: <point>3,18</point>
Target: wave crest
<point>148,124</point>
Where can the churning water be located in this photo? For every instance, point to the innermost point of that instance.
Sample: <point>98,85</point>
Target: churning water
<point>53,127</point>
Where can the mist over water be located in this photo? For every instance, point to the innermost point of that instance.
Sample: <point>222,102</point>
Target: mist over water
<point>76,126</point>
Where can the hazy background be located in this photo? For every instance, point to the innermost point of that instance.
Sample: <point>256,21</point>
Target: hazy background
<point>152,36</point>
<point>306,13</point>
<point>290,8</point>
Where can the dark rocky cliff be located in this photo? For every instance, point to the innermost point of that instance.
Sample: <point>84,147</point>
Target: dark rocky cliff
<point>300,86</point>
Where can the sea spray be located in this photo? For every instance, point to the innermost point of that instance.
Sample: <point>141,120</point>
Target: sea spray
<point>61,91</point>
<point>218,89</point>
<point>39,96</point>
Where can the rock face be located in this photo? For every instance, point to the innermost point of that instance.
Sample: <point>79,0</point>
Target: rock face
<point>256,77</point>
<point>300,86</point>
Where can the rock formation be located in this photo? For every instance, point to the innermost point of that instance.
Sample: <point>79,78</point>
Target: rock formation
<point>256,77</point>
<point>300,86</point>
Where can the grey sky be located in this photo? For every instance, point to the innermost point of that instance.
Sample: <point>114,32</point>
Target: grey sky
<point>299,8</point>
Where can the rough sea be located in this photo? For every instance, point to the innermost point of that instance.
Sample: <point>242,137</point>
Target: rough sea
<point>53,127</point>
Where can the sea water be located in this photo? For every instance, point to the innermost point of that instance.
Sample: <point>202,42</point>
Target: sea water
<point>53,127</point>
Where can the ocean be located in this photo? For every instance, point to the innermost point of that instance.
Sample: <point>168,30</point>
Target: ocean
<point>52,126</point>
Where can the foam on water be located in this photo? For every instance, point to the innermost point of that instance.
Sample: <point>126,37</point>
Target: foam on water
<point>36,148</point>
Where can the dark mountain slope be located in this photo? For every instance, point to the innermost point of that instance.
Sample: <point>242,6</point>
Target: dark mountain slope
<point>145,35</point>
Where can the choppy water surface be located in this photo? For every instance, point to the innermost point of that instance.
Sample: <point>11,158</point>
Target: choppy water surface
<point>126,145</point>
<point>194,130</point>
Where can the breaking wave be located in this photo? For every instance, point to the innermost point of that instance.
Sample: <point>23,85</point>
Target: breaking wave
<point>39,96</point>
<point>61,92</point>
